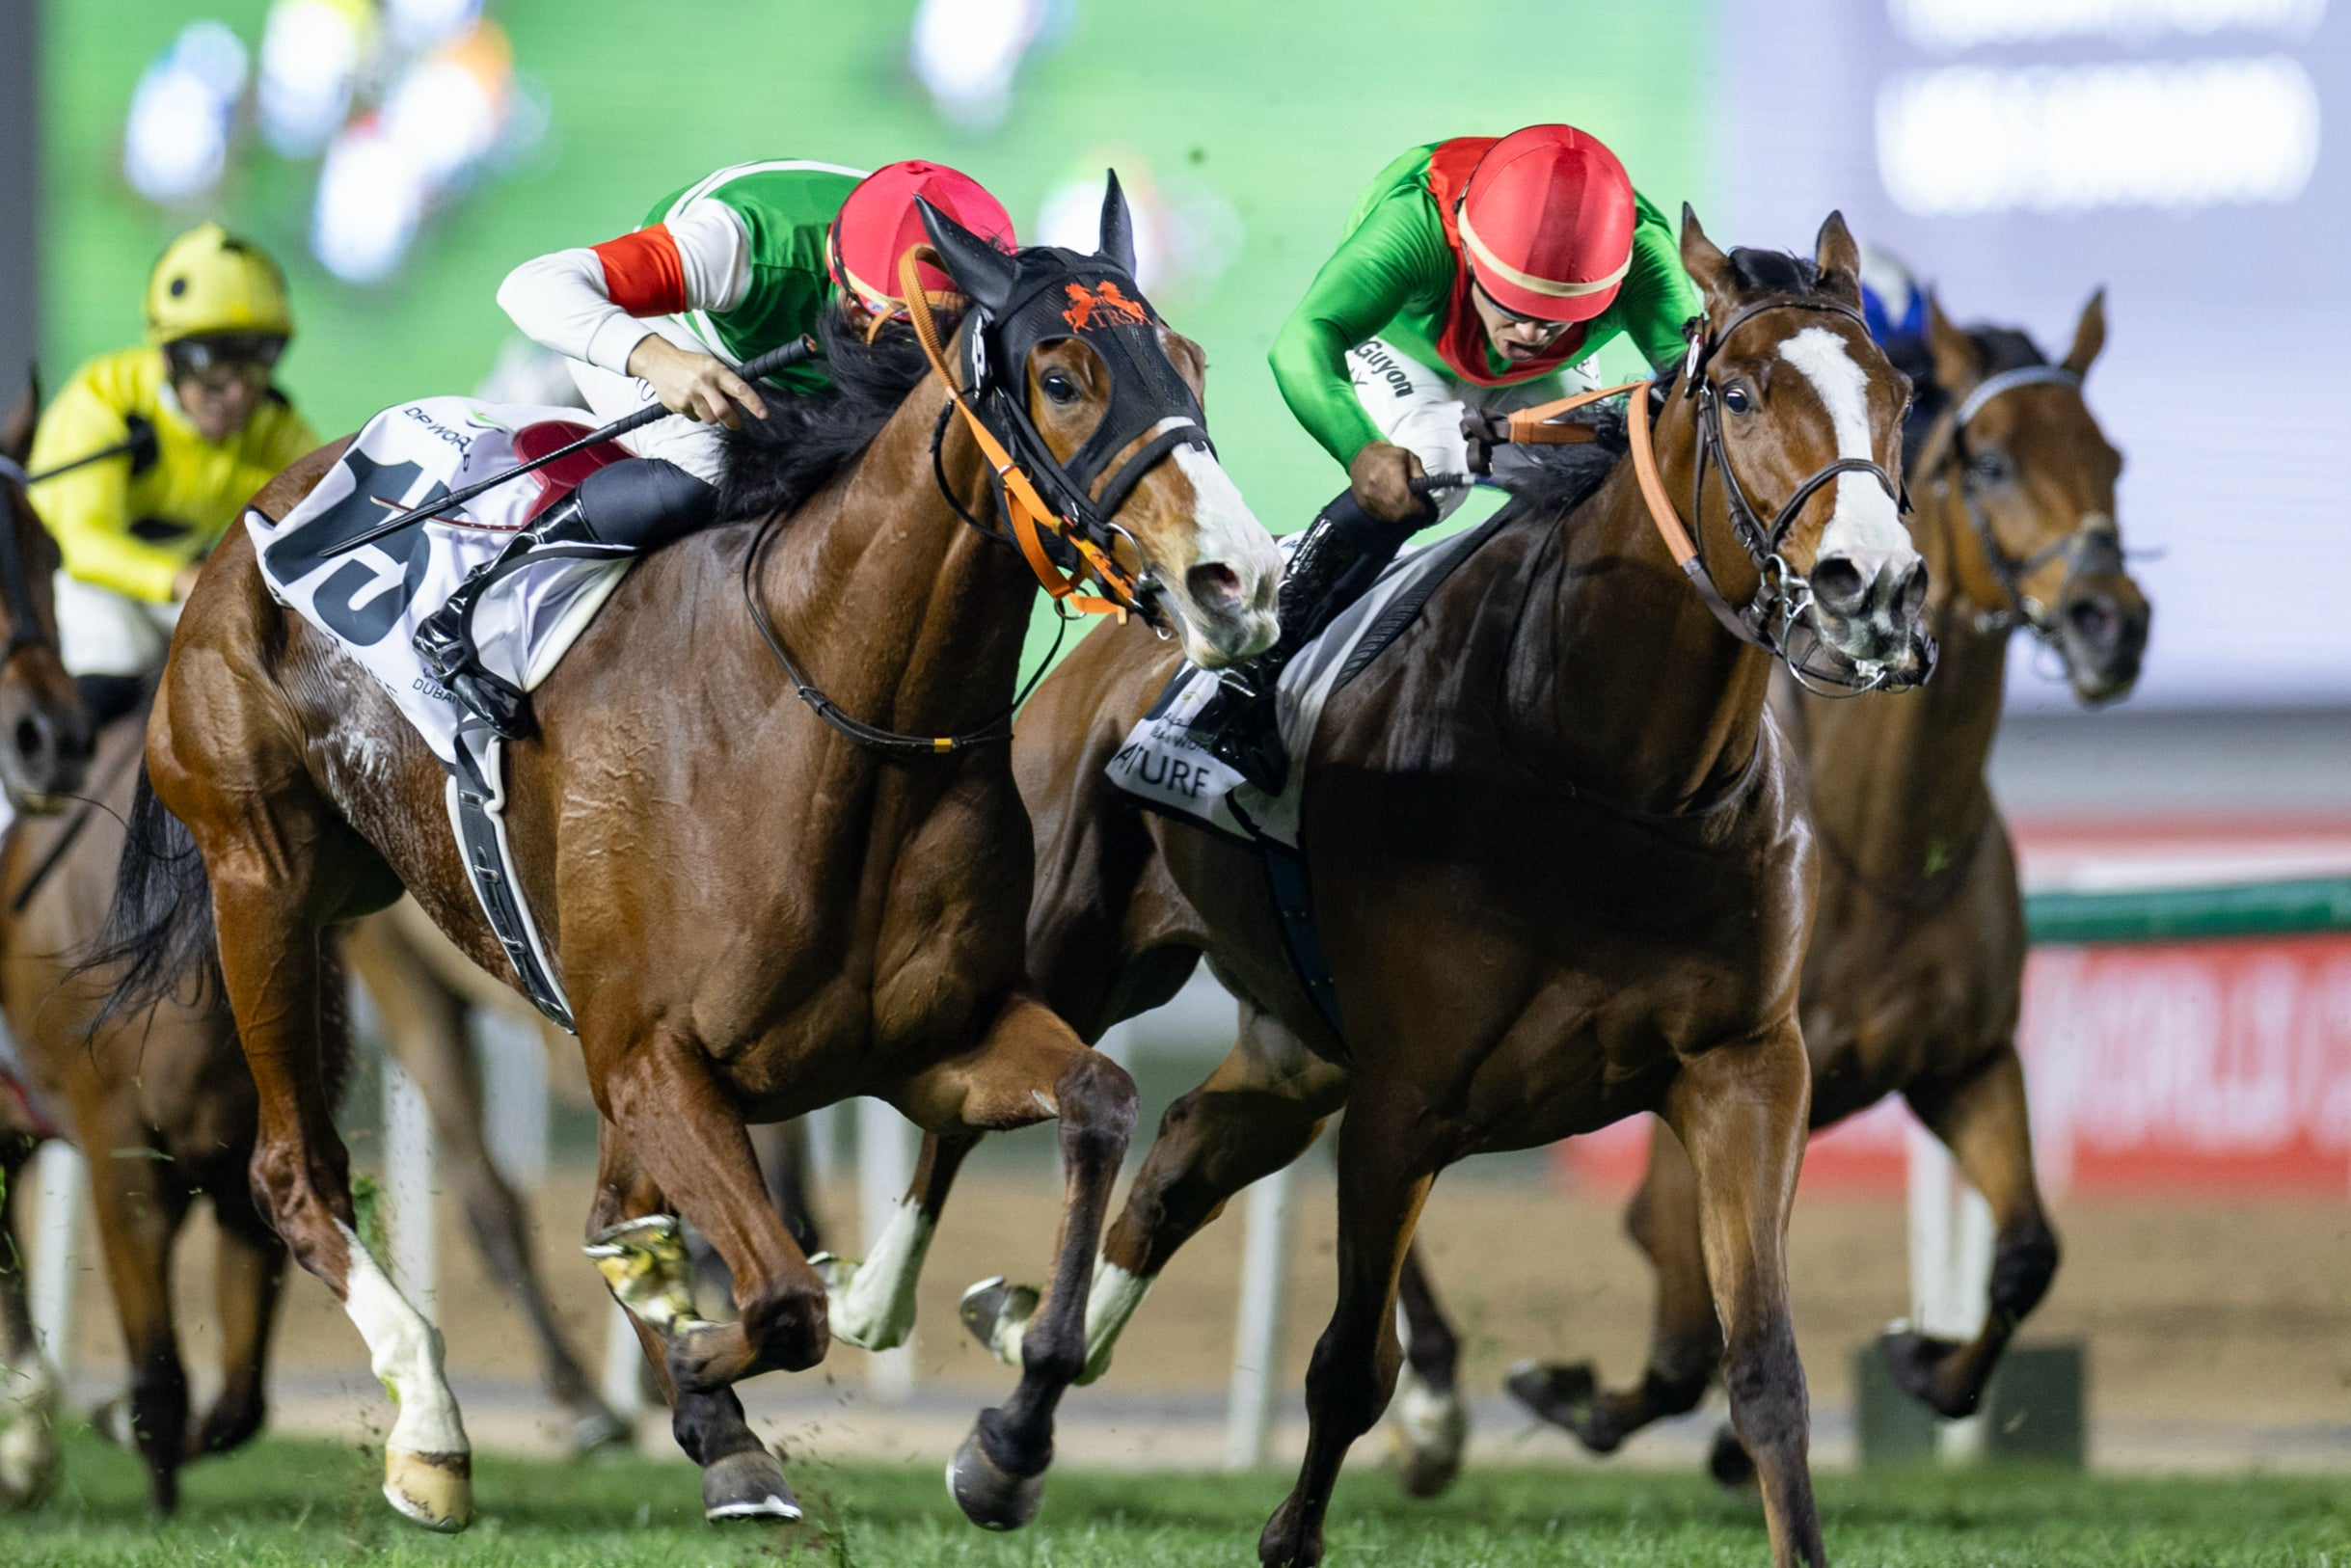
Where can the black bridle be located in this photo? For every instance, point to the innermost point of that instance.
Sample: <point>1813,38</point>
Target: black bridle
<point>2093,545</point>
<point>25,631</point>
<point>1060,293</point>
<point>1772,619</point>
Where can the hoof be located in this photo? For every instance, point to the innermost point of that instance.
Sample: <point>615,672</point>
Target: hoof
<point>1565,1397</point>
<point>997,1314</point>
<point>991,1497</point>
<point>1287,1540</point>
<point>112,1421</point>
<point>597,1430</point>
<point>432,1489</point>
<point>1729,1463</point>
<point>29,1454</point>
<point>1920,1363</point>
<point>1431,1430</point>
<point>748,1486</point>
<point>650,1272</point>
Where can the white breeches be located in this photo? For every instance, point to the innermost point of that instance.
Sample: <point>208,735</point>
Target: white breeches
<point>101,632</point>
<point>1419,408</point>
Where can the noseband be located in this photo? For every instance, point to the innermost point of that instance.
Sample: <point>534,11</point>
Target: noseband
<point>2092,543</point>
<point>24,628</point>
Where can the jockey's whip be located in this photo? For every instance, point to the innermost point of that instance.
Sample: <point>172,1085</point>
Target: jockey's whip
<point>138,446</point>
<point>758,369</point>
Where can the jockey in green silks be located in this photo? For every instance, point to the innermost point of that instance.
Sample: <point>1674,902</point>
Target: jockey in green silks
<point>1479,274</point>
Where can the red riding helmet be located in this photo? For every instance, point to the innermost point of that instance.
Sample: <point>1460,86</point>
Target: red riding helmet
<point>880,223</point>
<point>1546,224</point>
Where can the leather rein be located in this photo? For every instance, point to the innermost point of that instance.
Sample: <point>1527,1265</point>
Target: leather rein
<point>24,629</point>
<point>1782,594</point>
<point>2094,540</point>
<point>1082,526</point>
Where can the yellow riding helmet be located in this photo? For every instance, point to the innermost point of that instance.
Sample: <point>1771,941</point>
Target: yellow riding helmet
<point>211,282</point>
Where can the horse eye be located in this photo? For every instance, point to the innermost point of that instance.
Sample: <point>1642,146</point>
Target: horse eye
<point>1060,387</point>
<point>1735,399</point>
<point>1991,468</point>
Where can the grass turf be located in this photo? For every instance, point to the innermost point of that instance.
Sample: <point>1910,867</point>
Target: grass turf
<point>284,1502</point>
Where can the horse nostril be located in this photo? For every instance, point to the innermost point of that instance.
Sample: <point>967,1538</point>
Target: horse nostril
<point>1838,583</point>
<point>1214,586</point>
<point>33,740</point>
<point>2093,620</point>
<point>1910,591</point>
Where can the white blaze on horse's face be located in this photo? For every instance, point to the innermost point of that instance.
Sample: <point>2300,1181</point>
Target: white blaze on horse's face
<point>1223,599</point>
<point>1868,579</point>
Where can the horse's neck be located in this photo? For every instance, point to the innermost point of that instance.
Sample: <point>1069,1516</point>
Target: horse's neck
<point>1637,694</point>
<point>905,615</point>
<point>1898,779</point>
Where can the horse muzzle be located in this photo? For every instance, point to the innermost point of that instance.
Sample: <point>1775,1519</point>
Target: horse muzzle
<point>2101,629</point>
<point>45,746</point>
<point>1869,613</point>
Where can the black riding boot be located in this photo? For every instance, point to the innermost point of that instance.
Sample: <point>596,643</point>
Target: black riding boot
<point>627,507</point>
<point>444,639</point>
<point>1344,551</point>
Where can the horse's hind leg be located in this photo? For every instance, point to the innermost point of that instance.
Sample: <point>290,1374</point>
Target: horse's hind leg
<point>1741,1110</point>
<point>870,1303</point>
<point>140,1211</point>
<point>28,1385</point>
<point>1258,1111</point>
<point>425,1024</point>
<point>1384,1179</point>
<point>1430,1422</point>
<point>1982,1118</point>
<point>249,1275</point>
<point>1685,1338</point>
<point>1031,1062</point>
<point>267,869</point>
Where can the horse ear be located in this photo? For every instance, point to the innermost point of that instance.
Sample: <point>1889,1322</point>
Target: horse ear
<point>16,430</point>
<point>1117,246</point>
<point>2088,335</point>
<point>1957,366</point>
<point>1708,267</point>
<point>1838,259</point>
<point>984,273</point>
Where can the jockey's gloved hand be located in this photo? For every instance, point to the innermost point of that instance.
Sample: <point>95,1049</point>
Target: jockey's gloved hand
<point>1381,481</point>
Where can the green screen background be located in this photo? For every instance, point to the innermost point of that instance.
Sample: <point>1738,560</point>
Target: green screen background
<point>1287,106</point>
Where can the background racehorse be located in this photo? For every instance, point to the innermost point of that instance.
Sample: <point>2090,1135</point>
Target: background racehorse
<point>1559,868</point>
<point>1914,980</point>
<point>754,913</point>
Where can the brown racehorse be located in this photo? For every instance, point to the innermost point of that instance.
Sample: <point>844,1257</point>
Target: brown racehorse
<point>755,912</point>
<point>45,744</point>
<point>1916,969</point>
<point>160,1103</point>
<point>1559,869</point>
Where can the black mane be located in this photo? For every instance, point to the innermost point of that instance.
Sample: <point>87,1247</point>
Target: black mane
<point>776,464</point>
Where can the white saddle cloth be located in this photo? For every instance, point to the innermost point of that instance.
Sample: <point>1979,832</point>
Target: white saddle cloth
<point>371,599</point>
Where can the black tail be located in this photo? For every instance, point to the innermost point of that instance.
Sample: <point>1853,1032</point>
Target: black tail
<point>158,937</point>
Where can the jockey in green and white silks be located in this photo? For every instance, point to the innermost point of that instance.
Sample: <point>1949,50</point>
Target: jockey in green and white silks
<point>742,261</point>
<point>1479,273</point>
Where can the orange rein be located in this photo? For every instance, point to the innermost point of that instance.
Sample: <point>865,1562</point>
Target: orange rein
<point>1532,427</point>
<point>1026,513</point>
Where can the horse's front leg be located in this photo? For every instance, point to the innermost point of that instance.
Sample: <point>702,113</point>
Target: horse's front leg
<point>29,1452</point>
<point>1029,1066</point>
<point>1384,1178</point>
<point>1741,1111</point>
<point>676,1138</point>
<point>1980,1115</point>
